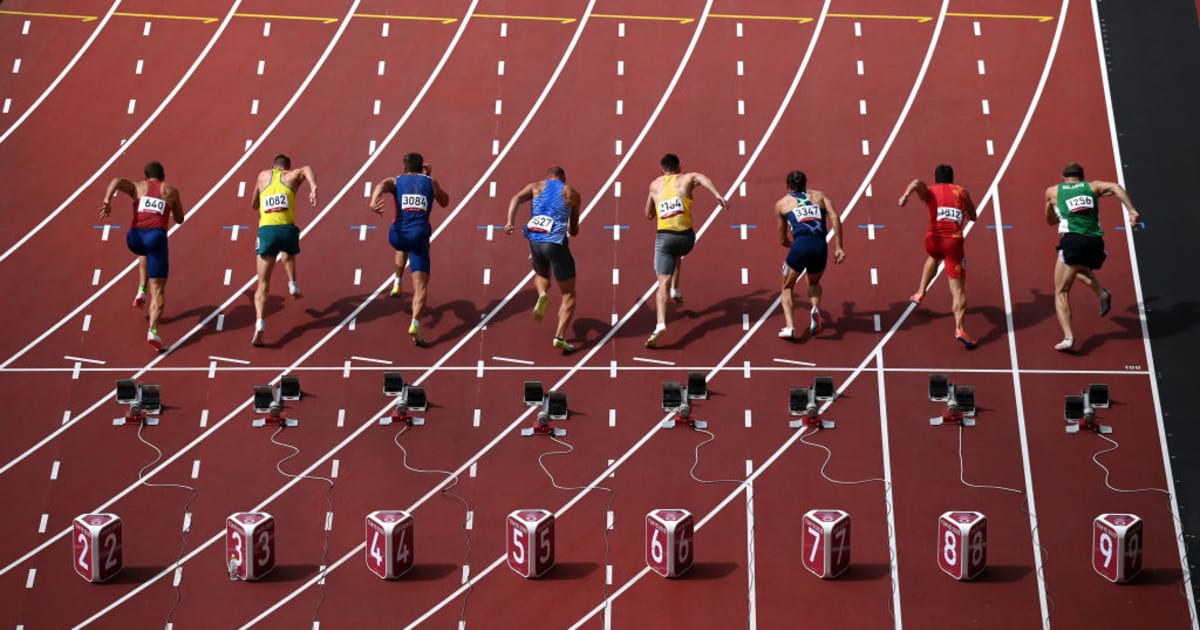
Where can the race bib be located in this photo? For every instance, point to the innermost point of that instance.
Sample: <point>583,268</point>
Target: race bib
<point>541,224</point>
<point>275,203</point>
<point>806,213</point>
<point>670,207</point>
<point>414,203</point>
<point>152,205</point>
<point>1082,203</point>
<point>949,214</point>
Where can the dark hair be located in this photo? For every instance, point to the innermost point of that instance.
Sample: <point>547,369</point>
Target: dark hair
<point>413,162</point>
<point>154,170</point>
<point>670,163</point>
<point>943,174</point>
<point>797,181</point>
<point>283,161</point>
<point>557,172</point>
<point>1073,169</point>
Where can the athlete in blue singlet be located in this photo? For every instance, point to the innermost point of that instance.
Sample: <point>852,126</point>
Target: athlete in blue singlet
<point>554,218</point>
<point>805,217</point>
<point>414,192</point>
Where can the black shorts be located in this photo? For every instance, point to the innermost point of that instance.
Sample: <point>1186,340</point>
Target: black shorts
<point>547,257</point>
<point>1077,249</point>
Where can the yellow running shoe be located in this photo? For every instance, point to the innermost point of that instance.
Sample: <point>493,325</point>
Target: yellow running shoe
<point>539,309</point>
<point>415,331</point>
<point>562,344</point>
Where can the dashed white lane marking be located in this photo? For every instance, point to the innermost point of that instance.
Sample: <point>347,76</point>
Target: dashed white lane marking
<point>616,189</point>
<point>654,361</point>
<point>203,418</point>
<point>745,369</point>
<point>860,67</point>
<point>487,276</point>
<point>498,107</point>
<point>613,474</point>
<point>479,369</point>
<point>866,147</point>
<point>43,523</point>
<point>328,521</point>
<point>742,190</point>
<point>739,29</point>
<point>874,276</point>
<point>178,576</point>
<point>217,357</point>
<point>620,68</point>
<point>96,277</point>
<point>375,110</point>
<point>357,277</point>
<point>220,322</point>
<point>146,30</point>
<point>87,322</point>
<point>743,232</point>
<point>470,524</point>
<point>76,370</point>
<point>871,231</point>
<point>612,417</point>
<point>25,28</point>
<point>620,107</point>
<point>346,369</point>
<point>381,67</point>
<point>745,321</point>
<point>748,419</point>
<point>31,578</point>
<point>362,232</point>
<point>105,232</point>
<point>241,189</point>
<point>858,29</point>
<point>17,66</point>
<point>228,276</point>
<point>341,421</point>
<point>795,362</point>
<point>476,417</point>
<point>495,147</point>
<point>138,68</point>
<point>878,323</point>
<point>366,189</point>
<point>618,146</point>
<point>267,28</point>
<point>195,469</point>
<point>862,106</point>
<point>212,370</point>
<point>132,105</point>
<point>741,68</point>
<point>741,147</point>
<point>249,142</point>
<point>7,105</point>
<point>66,416</point>
<point>385,30</point>
<point>981,68</point>
<point>741,107</point>
<point>262,66</point>
<point>620,29</point>
<point>978,31</point>
<point>616,277</point>
<point>466,573</point>
<point>745,276</point>
<point>471,470</point>
<point>54,468</point>
<point>991,148</point>
<point>612,365</point>
<point>187,521</point>
<point>609,521</point>
<point>371,147</point>
<point>504,29</point>
<point>868,193</point>
<point>500,68</point>
<point>491,193</point>
<point>254,107</point>
<point>334,468</point>
<point>987,108</point>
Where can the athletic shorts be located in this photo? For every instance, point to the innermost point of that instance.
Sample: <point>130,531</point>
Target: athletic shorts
<point>415,242</point>
<point>151,243</point>
<point>273,239</point>
<point>951,251</point>
<point>808,253</point>
<point>547,257</point>
<point>668,247</point>
<point>1077,249</point>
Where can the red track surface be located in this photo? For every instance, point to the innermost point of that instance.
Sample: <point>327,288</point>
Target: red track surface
<point>883,433</point>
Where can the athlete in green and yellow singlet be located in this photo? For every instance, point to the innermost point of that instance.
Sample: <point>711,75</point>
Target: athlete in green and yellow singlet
<point>275,199</point>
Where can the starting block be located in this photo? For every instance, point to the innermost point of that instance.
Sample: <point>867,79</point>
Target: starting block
<point>1096,396</point>
<point>535,393</point>
<point>541,426</point>
<point>555,405</point>
<point>697,386</point>
<point>1117,546</point>
<point>826,545</point>
<point>250,545</point>
<point>823,388</point>
<point>962,544</point>
<point>289,388</point>
<point>389,543</point>
<point>127,391</point>
<point>669,537</point>
<point>799,398</point>
<point>99,550</point>
<point>414,398</point>
<point>264,395</point>
<point>393,383</point>
<point>530,539</point>
<point>401,414</point>
<point>1073,408</point>
<point>802,402</point>
<point>672,395</point>
<point>682,417</point>
<point>953,415</point>
<point>939,388</point>
<point>1088,423</point>
<point>136,415</point>
<point>275,418</point>
<point>963,396</point>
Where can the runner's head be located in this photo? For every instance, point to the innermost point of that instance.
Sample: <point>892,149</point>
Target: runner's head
<point>282,161</point>
<point>670,163</point>
<point>797,181</point>
<point>1073,170</point>
<point>556,172</point>
<point>413,162</point>
<point>943,174</point>
<point>154,170</point>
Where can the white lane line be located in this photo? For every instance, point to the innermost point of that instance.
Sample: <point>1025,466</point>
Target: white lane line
<point>991,148</point>
<point>612,417</point>
<point>380,68</point>
<point>495,147</point>
<point>137,69</point>
<point>741,107</point>
<point>76,370</point>
<point>262,66</point>
<point>178,577</point>
<point>878,323</point>
<point>616,274</point>
<point>346,369</point>
<point>17,66</point>
<point>982,71</point>
<point>241,193</point>
<point>228,277</point>
<point>487,276</point>
<point>71,357</point>
<point>868,194</point>
<point>987,108</point>
<point>215,357</point>
<point>612,365</point>
<point>95,281</point>
<point>25,28</point>
<point>203,418</point>
<point>371,360</point>
<point>472,470</point>
<point>7,105</point>
<point>620,107</point>
<point>617,147</point>
<point>862,107</point>
<point>491,193</point>
<point>859,67</point>
<point>357,277</point>
<point>874,276</point>
<point>470,523</point>
<point>871,231</point>
<point>749,419</point>
<point>512,360</point>
<point>500,68</point>
<point>220,323</point>
<point>499,106</point>
<point>195,469</point>
<point>371,147</point>
<point>750,564</point>
<point>267,29</point>
<point>794,362</point>
<point>739,29</point>
<point>341,418</point>
<point>45,520</point>
<point>66,416</point>
<point>328,521</point>
<point>620,29</point>
<point>476,417</point>
<point>745,321</point>
<point>866,147</point>
<point>479,369</point>
<point>30,578</point>
<point>858,29</point>
<point>654,361</point>
<point>616,189</point>
<point>54,468</point>
<point>745,276</point>
<point>620,68</point>
<point>254,107</point>
<point>187,522</point>
<point>978,30</point>
<point>146,29</point>
<point>887,483</point>
<point>375,109</point>
<point>741,147</point>
<point>741,68</point>
<point>504,29</point>
<point>383,32</point>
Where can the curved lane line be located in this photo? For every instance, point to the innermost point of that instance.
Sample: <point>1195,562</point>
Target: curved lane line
<point>63,74</point>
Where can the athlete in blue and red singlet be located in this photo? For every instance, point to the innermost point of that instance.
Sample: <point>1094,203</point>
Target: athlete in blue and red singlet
<point>155,203</point>
<point>414,192</point>
<point>950,209</point>
<point>805,217</point>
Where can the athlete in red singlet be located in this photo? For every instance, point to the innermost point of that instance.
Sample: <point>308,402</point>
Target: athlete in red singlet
<point>155,203</point>
<point>950,208</point>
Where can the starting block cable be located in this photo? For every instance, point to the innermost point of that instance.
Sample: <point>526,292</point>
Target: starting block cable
<point>187,527</point>
<point>745,484</point>
<point>612,498</point>
<point>446,492</point>
<point>328,501</point>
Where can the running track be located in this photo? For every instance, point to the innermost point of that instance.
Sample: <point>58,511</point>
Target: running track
<point>711,84</point>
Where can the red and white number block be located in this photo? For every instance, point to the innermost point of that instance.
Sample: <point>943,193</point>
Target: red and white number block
<point>530,535</point>
<point>389,543</point>
<point>1117,546</point>
<point>669,537</point>
<point>962,544</point>
<point>250,544</point>
<point>98,542</point>
<point>826,542</point>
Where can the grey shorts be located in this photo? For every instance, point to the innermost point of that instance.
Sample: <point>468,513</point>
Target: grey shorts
<point>668,247</point>
<point>547,257</point>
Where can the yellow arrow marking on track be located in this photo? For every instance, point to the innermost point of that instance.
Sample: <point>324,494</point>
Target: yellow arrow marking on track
<point>777,18</point>
<point>189,18</point>
<point>302,18</point>
<point>535,18</point>
<point>419,18</point>
<point>82,18</point>
<point>653,18</point>
<point>863,16</point>
<point>1003,16</point>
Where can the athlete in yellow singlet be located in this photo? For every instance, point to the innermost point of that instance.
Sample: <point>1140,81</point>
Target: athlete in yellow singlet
<point>670,204</point>
<point>275,199</point>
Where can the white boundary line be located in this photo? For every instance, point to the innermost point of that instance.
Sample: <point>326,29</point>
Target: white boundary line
<point>63,74</point>
<point>1137,287</point>
<point>893,551</point>
<point>131,140</point>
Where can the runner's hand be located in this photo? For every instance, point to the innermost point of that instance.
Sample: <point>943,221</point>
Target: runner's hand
<point>839,256</point>
<point>105,208</point>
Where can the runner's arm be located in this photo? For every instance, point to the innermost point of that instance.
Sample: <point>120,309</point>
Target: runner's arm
<point>442,197</point>
<point>525,195</point>
<point>1105,189</point>
<point>1051,213</point>
<point>969,207</point>
<point>915,186</point>
<point>650,206</point>
<point>306,173</point>
<point>382,188</point>
<point>707,184</point>
<point>176,202</point>
<point>784,233</point>
<point>257,192</point>
<point>123,185</point>
<point>574,201</point>
<point>835,223</point>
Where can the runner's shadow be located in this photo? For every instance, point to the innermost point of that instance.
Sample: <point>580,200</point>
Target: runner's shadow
<point>199,313</point>
<point>1158,577</point>
<point>241,316</point>
<point>727,312</point>
<point>468,316</point>
<point>589,331</point>
<point>848,321</point>
<point>1170,320</point>
<point>1025,314</point>
<point>1131,328</point>
<point>332,315</point>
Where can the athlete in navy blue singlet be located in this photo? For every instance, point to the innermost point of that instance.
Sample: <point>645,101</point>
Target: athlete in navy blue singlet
<point>805,217</point>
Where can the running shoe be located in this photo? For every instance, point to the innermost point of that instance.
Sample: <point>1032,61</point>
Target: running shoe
<point>677,296</point>
<point>652,342</point>
<point>916,298</point>
<point>815,326</point>
<point>397,289</point>
<point>1065,345</point>
<point>155,341</point>
<point>139,300</point>
<point>1105,302</point>
<point>967,340</point>
<point>257,340</point>
<point>295,290</point>
<point>562,344</point>
<point>787,333</point>
<point>415,331</point>
<point>539,309</point>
